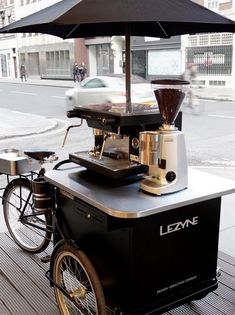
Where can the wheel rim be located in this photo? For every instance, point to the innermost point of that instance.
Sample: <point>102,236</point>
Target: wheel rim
<point>26,236</point>
<point>71,275</point>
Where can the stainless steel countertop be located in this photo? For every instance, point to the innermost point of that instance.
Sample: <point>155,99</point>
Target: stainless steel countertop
<point>126,200</point>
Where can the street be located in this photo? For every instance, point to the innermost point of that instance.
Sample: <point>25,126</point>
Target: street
<point>210,136</point>
<point>41,100</point>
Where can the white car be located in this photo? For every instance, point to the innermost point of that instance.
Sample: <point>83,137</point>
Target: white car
<point>109,89</point>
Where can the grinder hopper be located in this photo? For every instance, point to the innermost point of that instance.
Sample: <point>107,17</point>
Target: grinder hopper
<point>169,95</point>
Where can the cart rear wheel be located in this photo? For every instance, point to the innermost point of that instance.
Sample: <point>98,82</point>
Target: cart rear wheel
<point>77,287</point>
<point>31,233</point>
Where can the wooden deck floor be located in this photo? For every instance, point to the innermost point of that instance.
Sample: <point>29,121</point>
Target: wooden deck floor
<point>24,289</point>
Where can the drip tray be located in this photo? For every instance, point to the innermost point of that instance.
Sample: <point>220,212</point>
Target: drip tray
<point>113,168</point>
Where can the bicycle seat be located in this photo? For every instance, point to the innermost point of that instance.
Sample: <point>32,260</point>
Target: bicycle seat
<point>39,155</point>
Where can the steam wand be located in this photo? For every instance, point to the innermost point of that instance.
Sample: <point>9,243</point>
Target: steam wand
<point>106,136</point>
<point>68,129</point>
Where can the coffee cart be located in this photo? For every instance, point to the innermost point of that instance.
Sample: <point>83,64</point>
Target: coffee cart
<point>152,250</point>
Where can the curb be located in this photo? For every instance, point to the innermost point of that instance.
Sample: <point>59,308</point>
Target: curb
<point>44,82</point>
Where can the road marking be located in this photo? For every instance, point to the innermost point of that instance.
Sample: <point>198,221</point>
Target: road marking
<point>214,167</point>
<point>25,93</point>
<point>224,162</point>
<point>214,100</point>
<point>54,96</point>
<point>222,116</point>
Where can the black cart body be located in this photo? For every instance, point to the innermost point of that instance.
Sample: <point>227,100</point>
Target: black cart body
<point>151,253</point>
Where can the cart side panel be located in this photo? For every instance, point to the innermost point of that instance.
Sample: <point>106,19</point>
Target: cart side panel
<point>148,263</point>
<point>174,255</point>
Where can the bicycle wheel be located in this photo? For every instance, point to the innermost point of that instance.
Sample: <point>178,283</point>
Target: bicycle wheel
<point>32,232</point>
<point>74,274</point>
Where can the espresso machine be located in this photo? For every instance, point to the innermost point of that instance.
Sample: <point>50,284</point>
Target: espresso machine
<point>115,153</point>
<point>145,144</point>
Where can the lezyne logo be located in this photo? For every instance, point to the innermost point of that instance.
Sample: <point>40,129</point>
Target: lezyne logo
<point>174,227</point>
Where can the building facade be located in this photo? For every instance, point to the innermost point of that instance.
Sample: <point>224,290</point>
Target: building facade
<point>8,53</point>
<point>48,56</point>
<point>213,53</point>
<point>43,55</point>
<point>155,58</point>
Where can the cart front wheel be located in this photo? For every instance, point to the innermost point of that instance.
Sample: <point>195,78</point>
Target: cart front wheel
<point>77,287</point>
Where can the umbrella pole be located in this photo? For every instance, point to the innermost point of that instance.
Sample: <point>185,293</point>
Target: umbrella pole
<point>128,69</point>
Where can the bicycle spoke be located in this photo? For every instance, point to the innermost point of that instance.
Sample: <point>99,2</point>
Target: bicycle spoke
<point>28,228</point>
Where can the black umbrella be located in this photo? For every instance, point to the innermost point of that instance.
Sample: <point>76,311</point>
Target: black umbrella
<point>88,18</point>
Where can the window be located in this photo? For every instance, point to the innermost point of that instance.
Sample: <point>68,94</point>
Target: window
<point>215,39</point>
<point>57,63</point>
<point>203,39</point>
<point>95,83</point>
<point>226,39</point>
<point>164,62</point>
<point>193,40</point>
<point>212,4</point>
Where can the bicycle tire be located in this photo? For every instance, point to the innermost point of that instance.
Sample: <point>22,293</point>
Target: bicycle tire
<point>74,273</point>
<point>30,238</point>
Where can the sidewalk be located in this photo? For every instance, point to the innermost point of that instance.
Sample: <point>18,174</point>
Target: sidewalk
<point>16,124</point>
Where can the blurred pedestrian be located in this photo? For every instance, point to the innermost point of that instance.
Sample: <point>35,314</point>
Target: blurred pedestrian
<point>190,74</point>
<point>23,73</point>
<point>75,72</point>
<point>82,71</point>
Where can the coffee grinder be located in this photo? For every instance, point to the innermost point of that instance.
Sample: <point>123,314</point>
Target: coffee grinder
<point>163,150</point>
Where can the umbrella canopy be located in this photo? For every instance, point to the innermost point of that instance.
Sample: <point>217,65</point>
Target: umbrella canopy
<point>88,18</point>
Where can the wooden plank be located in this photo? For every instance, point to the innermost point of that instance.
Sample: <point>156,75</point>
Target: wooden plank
<point>227,267</point>
<point>225,306</point>
<point>227,280</point>
<point>3,309</point>
<point>182,310</point>
<point>13,302</point>
<point>201,307</point>
<point>26,284</point>
<point>226,293</point>
<point>226,257</point>
<point>30,264</point>
<point>36,258</point>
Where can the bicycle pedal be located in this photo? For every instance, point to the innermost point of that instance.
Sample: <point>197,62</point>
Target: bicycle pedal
<point>46,259</point>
